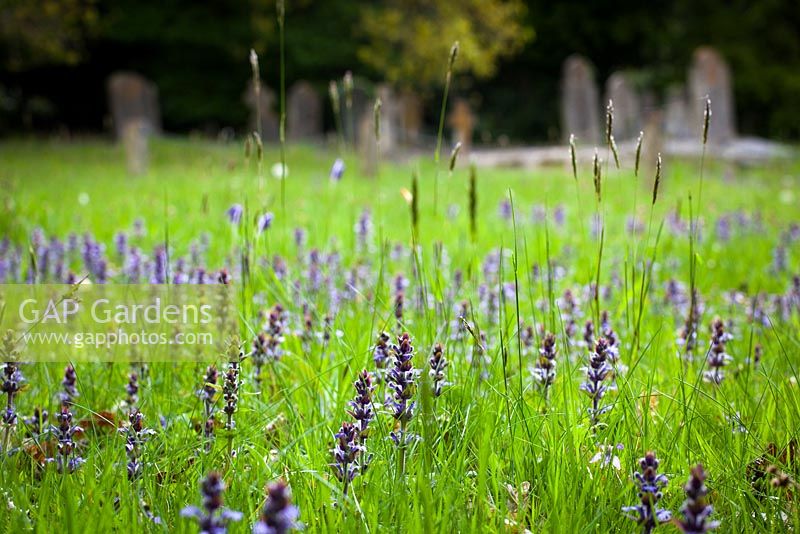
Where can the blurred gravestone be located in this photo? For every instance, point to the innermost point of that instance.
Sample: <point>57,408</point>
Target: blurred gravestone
<point>462,121</point>
<point>367,145</point>
<point>627,107</point>
<point>677,124</point>
<point>362,105</point>
<point>652,143</point>
<point>304,115</point>
<point>580,108</point>
<point>135,139</point>
<point>263,105</point>
<point>390,119</point>
<point>131,97</point>
<point>410,117</point>
<point>710,75</point>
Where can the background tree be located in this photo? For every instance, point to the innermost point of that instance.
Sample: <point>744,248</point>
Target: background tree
<point>56,55</point>
<point>33,32</point>
<point>408,41</point>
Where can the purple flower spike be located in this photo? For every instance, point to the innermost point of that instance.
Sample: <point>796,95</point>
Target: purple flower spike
<point>159,275</point>
<point>337,170</point>
<point>363,228</point>
<point>361,406</point>
<point>402,382</point>
<point>64,432</point>
<point>136,434</point>
<point>596,374</point>
<point>267,344</point>
<point>10,383</point>
<point>264,222</point>
<point>438,364</point>
<point>235,213</point>
<point>717,357</point>
<point>279,515</point>
<point>346,453</point>
<point>230,392</point>
<point>504,210</point>
<point>121,244</point>
<point>214,518</point>
<point>695,511</point>
<point>646,514</point>
<point>544,371</point>
<point>381,353</point>
<point>70,393</point>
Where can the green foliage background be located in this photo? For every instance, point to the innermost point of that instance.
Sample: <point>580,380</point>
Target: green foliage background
<point>55,56</point>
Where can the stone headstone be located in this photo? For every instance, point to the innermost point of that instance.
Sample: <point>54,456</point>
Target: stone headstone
<point>367,145</point>
<point>676,122</point>
<point>462,122</point>
<point>580,107</point>
<point>131,97</point>
<point>627,106</point>
<point>362,106</point>
<point>390,119</point>
<point>411,116</point>
<point>262,107</point>
<point>710,75</point>
<point>135,138</point>
<point>652,143</point>
<point>303,112</point>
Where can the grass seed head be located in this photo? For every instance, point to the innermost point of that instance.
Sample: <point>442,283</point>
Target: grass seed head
<point>706,119</point>
<point>597,175</point>
<point>638,154</point>
<point>376,115</point>
<point>454,155</point>
<point>473,201</point>
<point>658,179</point>
<point>573,156</point>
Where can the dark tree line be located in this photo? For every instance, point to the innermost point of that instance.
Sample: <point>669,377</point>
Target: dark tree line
<point>53,64</point>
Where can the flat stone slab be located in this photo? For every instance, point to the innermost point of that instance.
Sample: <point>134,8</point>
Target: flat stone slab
<point>744,150</point>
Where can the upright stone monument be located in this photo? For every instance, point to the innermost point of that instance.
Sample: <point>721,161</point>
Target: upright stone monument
<point>677,124</point>
<point>652,143</point>
<point>135,139</point>
<point>304,112</point>
<point>362,102</point>
<point>627,106</point>
<point>710,76</point>
<point>410,118</point>
<point>367,145</point>
<point>133,98</point>
<point>390,119</point>
<point>580,107</point>
<point>262,107</point>
<point>462,121</point>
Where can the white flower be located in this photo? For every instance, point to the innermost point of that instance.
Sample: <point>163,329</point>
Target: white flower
<point>279,171</point>
<point>607,457</point>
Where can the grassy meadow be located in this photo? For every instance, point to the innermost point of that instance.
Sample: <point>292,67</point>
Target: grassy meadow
<point>496,450</point>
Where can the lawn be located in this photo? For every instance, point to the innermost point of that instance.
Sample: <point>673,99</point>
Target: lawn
<point>497,449</point>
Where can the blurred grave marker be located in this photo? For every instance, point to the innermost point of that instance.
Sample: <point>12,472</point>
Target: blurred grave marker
<point>462,121</point>
<point>580,108</point>
<point>132,98</point>
<point>709,75</point>
<point>304,112</point>
<point>410,117</point>
<point>269,119</point>
<point>135,138</point>
<point>390,119</point>
<point>676,123</point>
<point>627,106</point>
<point>367,145</point>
